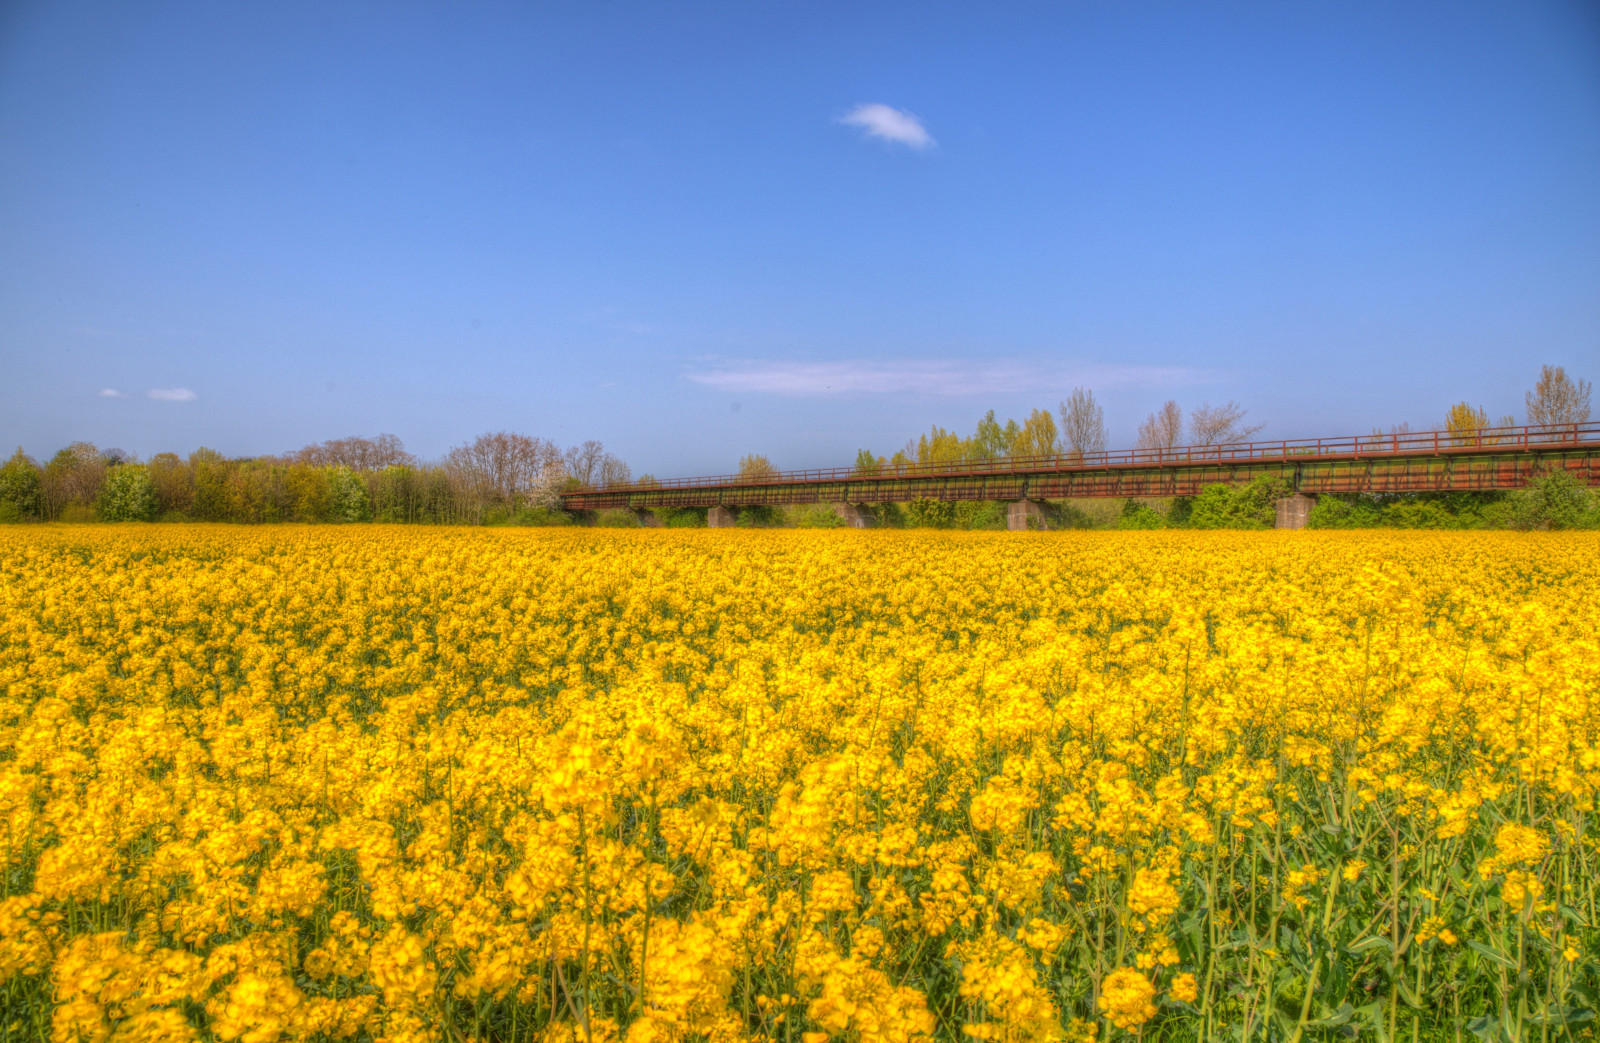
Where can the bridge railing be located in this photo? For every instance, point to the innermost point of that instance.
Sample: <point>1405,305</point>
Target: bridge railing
<point>1527,437</point>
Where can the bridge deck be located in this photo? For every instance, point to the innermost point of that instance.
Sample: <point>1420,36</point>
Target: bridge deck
<point>1497,458</point>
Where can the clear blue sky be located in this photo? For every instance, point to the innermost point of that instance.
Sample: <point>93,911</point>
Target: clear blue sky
<point>682,229</point>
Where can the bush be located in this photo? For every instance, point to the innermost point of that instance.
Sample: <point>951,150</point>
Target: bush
<point>1419,514</point>
<point>616,518</point>
<point>1137,515</point>
<point>930,514</point>
<point>1251,506</point>
<point>1553,500</point>
<point>684,518</point>
<point>1344,512</point>
<point>814,516</point>
<point>985,515</point>
<point>128,495</point>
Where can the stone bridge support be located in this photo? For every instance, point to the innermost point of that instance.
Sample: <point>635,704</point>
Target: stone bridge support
<point>1027,514</point>
<point>1293,512</point>
<point>854,515</point>
<point>647,518</point>
<point>722,517</point>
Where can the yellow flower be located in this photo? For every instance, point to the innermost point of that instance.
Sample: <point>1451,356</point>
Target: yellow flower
<point>1127,998</point>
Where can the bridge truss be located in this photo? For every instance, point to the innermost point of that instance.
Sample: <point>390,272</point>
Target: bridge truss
<point>1426,461</point>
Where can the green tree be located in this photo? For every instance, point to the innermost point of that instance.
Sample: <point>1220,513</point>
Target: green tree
<point>21,495</point>
<point>128,495</point>
<point>348,495</point>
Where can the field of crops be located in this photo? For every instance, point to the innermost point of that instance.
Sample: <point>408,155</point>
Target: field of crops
<point>386,783</point>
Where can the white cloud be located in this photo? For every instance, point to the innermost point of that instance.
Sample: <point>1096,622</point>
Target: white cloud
<point>111,393</point>
<point>890,124</point>
<point>933,377</point>
<point>172,394</point>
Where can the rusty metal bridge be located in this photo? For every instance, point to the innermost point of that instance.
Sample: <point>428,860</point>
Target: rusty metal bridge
<point>1426,461</point>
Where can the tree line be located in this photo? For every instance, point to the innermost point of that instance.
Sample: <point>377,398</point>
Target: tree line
<point>506,477</point>
<point>501,476</point>
<point>1555,399</point>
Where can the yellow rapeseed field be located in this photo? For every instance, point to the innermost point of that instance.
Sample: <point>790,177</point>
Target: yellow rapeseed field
<point>404,784</point>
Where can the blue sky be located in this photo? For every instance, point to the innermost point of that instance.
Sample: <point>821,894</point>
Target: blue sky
<point>694,231</point>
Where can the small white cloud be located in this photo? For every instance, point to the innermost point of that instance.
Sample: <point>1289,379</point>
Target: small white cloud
<point>933,377</point>
<point>172,394</point>
<point>111,393</point>
<point>890,124</point>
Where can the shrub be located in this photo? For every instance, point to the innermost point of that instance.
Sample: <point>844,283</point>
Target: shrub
<point>985,515</point>
<point>1250,506</point>
<point>684,518</point>
<point>930,514</point>
<point>1553,500</point>
<point>1337,511</point>
<point>1137,515</point>
<point>616,518</point>
<point>814,516</point>
<point>128,495</point>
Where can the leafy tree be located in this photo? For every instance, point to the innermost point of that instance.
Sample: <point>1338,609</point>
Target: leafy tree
<point>866,463</point>
<point>71,481</point>
<point>128,495</point>
<point>348,496</point>
<point>209,471</point>
<point>1468,425</point>
<point>1038,436</point>
<point>992,440</point>
<point>21,489</point>
<point>939,446</point>
<point>754,465</point>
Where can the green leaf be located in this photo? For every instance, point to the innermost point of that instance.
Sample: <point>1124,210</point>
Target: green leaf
<point>1369,944</point>
<point>1334,1020</point>
<point>1498,957</point>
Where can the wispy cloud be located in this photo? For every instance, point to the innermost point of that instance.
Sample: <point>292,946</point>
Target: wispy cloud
<point>172,394</point>
<point>933,377</point>
<point>111,393</point>
<point>890,124</point>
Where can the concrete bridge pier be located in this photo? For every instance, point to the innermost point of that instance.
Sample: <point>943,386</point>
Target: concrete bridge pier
<point>722,517</point>
<point>1026,514</point>
<point>854,515</point>
<point>1293,512</point>
<point>647,518</point>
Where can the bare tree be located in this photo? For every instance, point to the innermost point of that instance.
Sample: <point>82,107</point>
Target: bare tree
<point>1162,429</point>
<point>583,461</point>
<point>1083,423</point>
<point>613,471</point>
<point>356,453</point>
<point>1558,399</point>
<point>509,468</point>
<point>1219,425</point>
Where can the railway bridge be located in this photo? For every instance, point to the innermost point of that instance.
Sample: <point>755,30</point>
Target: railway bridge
<point>1427,461</point>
